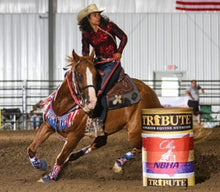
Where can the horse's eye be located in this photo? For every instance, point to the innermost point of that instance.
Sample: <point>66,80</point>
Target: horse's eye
<point>79,76</point>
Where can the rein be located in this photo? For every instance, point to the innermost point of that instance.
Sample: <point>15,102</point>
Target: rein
<point>105,61</point>
<point>106,81</point>
<point>72,92</point>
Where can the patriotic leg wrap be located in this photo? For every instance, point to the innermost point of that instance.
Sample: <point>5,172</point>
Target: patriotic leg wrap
<point>52,175</point>
<point>122,160</point>
<point>38,163</point>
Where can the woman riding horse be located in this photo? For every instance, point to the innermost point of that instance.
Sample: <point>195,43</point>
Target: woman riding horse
<point>100,33</point>
<point>78,92</point>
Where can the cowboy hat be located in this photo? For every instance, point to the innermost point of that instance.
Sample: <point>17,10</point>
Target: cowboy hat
<point>92,8</point>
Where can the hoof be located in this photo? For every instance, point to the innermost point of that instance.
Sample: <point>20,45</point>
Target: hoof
<point>44,179</point>
<point>117,169</point>
<point>38,163</point>
<point>43,166</point>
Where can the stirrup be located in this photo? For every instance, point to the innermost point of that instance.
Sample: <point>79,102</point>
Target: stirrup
<point>94,128</point>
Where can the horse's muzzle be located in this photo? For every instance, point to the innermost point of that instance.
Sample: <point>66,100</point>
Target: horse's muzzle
<point>89,105</point>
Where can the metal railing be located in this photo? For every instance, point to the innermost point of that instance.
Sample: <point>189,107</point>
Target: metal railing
<point>24,94</point>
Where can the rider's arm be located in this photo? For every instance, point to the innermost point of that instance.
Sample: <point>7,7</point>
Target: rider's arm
<point>121,35</point>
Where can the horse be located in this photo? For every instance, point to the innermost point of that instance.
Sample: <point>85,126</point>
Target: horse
<point>79,91</point>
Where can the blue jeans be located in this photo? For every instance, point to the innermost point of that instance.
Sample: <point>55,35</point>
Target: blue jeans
<point>36,121</point>
<point>107,69</point>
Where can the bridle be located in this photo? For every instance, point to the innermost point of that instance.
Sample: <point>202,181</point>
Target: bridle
<point>77,92</point>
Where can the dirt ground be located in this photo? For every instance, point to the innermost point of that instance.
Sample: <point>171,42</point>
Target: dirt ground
<point>94,171</point>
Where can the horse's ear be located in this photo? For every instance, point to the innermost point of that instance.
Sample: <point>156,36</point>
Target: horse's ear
<point>75,56</point>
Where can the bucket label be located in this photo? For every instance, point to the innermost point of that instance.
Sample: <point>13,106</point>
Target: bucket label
<point>167,122</point>
<point>168,156</point>
<point>167,159</point>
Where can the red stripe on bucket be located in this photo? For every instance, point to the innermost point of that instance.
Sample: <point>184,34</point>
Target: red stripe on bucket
<point>157,144</point>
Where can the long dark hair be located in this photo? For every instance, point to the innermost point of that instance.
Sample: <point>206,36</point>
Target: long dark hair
<point>85,26</point>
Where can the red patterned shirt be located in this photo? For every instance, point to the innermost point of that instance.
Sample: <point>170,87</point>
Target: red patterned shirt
<point>103,42</point>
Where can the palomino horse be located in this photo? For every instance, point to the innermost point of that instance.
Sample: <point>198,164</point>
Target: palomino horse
<point>78,89</point>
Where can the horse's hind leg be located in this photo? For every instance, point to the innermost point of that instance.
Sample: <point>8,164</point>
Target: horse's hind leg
<point>117,168</point>
<point>134,138</point>
<point>98,142</point>
<point>43,133</point>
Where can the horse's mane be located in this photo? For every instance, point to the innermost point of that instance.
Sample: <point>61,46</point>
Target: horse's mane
<point>70,60</point>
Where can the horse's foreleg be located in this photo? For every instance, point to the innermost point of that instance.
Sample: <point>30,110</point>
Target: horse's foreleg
<point>69,145</point>
<point>43,133</point>
<point>98,142</point>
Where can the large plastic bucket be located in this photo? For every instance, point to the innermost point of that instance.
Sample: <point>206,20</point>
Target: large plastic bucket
<point>167,147</point>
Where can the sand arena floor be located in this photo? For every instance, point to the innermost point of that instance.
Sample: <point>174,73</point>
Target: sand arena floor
<point>94,172</point>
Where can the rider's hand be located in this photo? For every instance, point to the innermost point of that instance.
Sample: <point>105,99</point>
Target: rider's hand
<point>117,56</point>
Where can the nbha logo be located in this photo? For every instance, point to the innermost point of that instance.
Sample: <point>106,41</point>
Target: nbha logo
<point>166,120</point>
<point>168,165</point>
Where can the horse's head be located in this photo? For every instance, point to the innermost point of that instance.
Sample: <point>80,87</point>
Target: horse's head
<point>84,80</point>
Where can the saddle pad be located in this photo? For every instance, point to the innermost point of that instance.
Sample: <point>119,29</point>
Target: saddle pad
<point>123,94</point>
